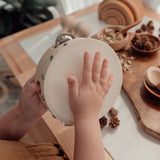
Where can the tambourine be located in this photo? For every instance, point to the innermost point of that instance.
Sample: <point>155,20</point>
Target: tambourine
<point>66,58</point>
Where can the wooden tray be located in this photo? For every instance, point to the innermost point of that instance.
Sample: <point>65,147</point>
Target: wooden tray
<point>147,107</point>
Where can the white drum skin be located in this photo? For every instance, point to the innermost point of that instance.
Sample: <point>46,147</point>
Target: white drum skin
<point>67,59</point>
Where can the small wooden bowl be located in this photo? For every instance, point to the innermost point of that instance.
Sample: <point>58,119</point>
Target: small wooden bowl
<point>145,52</point>
<point>115,45</point>
<point>152,91</point>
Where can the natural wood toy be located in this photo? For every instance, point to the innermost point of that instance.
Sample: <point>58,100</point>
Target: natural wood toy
<point>82,29</point>
<point>121,12</point>
<point>68,23</point>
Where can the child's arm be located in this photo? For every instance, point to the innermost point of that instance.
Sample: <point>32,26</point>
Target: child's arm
<point>15,123</point>
<point>86,101</point>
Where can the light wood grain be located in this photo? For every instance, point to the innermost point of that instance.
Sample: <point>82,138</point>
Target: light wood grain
<point>146,106</point>
<point>15,57</point>
<point>40,134</point>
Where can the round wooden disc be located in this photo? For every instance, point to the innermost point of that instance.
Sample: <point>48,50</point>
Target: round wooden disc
<point>68,60</point>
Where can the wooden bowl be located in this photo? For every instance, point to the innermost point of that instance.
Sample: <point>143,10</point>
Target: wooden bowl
<point>152,91</point>
<point>115,45</point>
<point>145,52</point>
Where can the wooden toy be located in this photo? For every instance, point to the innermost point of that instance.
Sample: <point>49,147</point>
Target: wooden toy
<point>82,29</point>
<point>68,23</point>
<point>121,12</point>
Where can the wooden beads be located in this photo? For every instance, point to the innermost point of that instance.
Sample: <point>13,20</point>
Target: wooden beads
<point>68,23</point>
<point>81,29</point>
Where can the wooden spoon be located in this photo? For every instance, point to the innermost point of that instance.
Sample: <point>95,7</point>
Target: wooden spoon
<point>124,30</point>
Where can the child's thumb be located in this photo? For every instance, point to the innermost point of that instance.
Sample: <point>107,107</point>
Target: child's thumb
<point>73,87</point>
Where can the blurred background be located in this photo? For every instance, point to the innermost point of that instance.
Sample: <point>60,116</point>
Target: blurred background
<point>16,15</point>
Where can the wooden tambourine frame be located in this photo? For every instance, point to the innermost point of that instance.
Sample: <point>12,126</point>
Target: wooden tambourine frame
<point>66,58</point>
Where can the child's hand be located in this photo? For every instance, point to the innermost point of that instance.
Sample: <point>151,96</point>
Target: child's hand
<point>30,104</point>
<point>87,98</point>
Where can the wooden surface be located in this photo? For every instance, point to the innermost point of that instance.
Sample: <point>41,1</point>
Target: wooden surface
<point>146,106</point>
<point>16,58</point>
<point>23,68</point>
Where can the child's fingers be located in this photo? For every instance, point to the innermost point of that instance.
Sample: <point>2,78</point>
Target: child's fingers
<point>31,80</point>
<point>86,73</point>
<point>73,87</point>
<point>30,90</point>
<point>103,74</point>
<point>108,83</point>
<point>96,67</point>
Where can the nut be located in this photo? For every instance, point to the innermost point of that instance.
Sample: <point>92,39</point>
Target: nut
<point>150,31</point>
<point>126,61</point>
<point>139,31</point>
<point>151,27</point>
<point>114,122</point>
<point>144,43</point>
<point>144,27</point>
<point>113,112</point>
<point>150,23</point>
<point>103,121</point>
<point>110,35</point>
<point>148,45</point>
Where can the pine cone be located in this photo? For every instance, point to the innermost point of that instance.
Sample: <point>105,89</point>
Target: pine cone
<point>103,121</point>
<point>114,122</point>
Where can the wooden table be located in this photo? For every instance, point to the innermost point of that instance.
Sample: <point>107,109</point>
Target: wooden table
<point>23,67</point>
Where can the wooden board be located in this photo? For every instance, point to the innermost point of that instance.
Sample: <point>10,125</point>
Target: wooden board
<point>147,108</point>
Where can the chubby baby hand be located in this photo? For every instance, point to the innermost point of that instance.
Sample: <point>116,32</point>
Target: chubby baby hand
<point>30,105</point>
<point>86,99</point>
